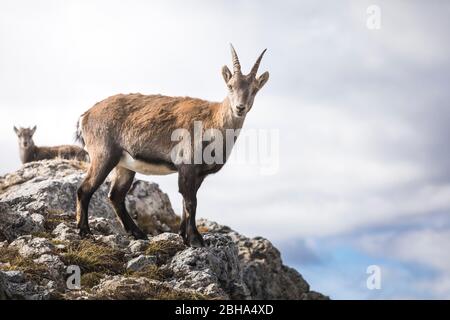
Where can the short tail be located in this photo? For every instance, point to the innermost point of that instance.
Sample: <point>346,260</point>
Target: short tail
<point>79,133</point>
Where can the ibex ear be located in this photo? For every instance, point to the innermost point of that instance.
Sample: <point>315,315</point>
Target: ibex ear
<point>262,79</point>
<point>226,73</point>
<point>33,130</point>
<point>16,130</point>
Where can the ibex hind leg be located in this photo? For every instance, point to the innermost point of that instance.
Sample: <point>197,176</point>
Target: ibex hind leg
<point>123,178</point>
<point>101,165</point>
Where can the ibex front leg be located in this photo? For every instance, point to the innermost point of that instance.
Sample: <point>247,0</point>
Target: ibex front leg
<point>188,183</point>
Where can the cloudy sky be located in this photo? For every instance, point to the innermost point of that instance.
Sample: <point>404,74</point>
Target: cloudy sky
<point>362,117</point>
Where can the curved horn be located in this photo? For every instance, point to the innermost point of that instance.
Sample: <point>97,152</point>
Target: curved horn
<point>236,64</point>
<point>256,65</point>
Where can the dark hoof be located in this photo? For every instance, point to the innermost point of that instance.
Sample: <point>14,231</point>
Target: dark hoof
<point>195,241</point>
<point>139,235</point>
<point>85,232</point>
<point>183,235</point>
<point>185,240</point>
<point>182,231</point>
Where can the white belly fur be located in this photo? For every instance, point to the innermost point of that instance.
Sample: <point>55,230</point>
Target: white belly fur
<point>127,161</point>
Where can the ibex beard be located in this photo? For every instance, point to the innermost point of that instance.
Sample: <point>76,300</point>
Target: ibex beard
<point>135,133</point>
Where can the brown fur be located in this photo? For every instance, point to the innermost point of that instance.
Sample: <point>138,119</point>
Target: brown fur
<point>136,120</point>
<point>141,126</point>
<point>69,152</point>
<point>30,152</point>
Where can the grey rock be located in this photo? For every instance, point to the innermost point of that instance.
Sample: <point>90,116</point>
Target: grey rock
<point>4,294</point>
<point>14,224</point>
<point>115,241</point>
<point>3,244</point>
<point>54,264</point>
<point>51,260</point>
<point>141,262</point>
<point>263,271</point>
<point>37,218</point>
<point>106,226</point>
<point>151,208</point>
<point>167,237</point>
<point>137,246</point>
<point>165,246</point>
<point>14,285</point>
<point>14,276</point>
<point>50,186</point>
<point>63,232</point>
<point>120,287</point>
<point>32,247</point>
<point>312,295</point>
<point>211,226</point>
<point>213,270</point>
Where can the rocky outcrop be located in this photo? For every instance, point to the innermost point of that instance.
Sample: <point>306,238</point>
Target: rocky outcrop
<point>39,241</point>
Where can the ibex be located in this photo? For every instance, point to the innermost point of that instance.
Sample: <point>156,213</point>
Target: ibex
<point>133,133</point>
<point>30,152</point>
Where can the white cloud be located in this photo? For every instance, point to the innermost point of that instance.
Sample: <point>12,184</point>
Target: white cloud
<point>424,247</point>
<point>427,247</point>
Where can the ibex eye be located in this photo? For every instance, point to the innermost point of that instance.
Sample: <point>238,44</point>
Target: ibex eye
<point>230,87</point>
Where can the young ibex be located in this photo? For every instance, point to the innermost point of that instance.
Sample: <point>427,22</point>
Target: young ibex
<point>30,152</point>
<point>133,133</point>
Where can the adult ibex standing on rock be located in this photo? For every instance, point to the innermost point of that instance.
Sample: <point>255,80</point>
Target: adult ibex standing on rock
<point>135,133</point>
<point>30,152</point>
